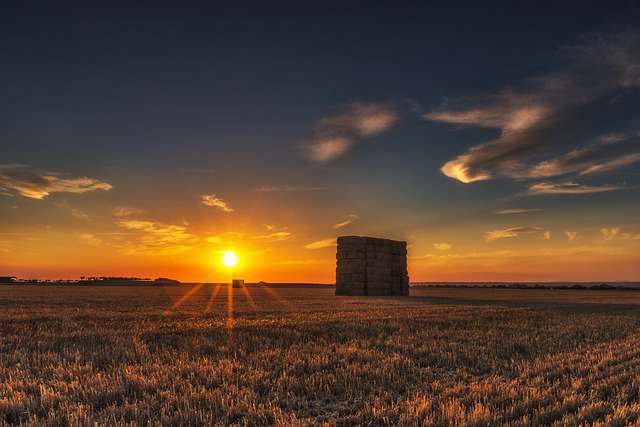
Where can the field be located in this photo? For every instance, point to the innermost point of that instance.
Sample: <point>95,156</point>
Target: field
<point>286,355</point>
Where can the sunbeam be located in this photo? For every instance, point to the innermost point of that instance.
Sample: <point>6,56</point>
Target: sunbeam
<point>214,294</point>
<point>184,298</point>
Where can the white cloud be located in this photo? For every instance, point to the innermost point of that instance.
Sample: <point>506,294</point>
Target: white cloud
<point>510,232</point>
<point>213,201</point>
<point>322,244</point>
<point>571,235</point>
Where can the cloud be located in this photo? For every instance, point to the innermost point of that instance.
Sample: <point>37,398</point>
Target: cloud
<point>155,238</point>
<point>284,188</point>
<point>607,155</point>
<point>5,245</point>
<point>621,162</point>
<point>322,243</point>
<point>571,188</point>
<point>274,237</point>
<point>39,185</point>
<point>213,201</point>
<point>547,235</point>
<point>571,235</point>
<point>124,211</point>
<point>515,211</point>
<point>337,132</point>
<point>78,213</point>
<point>614,234</point>
<point>352,217</point>
<point>442,246</point>
<point>537,116</point>
<point>90,239</point>
<point>510,232</point>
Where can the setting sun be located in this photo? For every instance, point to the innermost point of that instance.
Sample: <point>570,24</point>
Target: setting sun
<point>229,259</point>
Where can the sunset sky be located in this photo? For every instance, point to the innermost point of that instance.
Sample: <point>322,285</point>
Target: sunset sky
<point>502,143</point>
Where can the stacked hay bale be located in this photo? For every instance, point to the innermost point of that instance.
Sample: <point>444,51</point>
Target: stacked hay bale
<point>371,266</point>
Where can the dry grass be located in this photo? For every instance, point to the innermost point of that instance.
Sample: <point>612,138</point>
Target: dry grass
<point>300,356</point>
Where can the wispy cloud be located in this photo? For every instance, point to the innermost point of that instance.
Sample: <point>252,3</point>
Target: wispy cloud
<point>571,188</point>
<point>284,188</point>
<point>615,234</point>
<point>90,239</point>
<point>547,235</point>
<point>510,232</point>
<point>604,156</point>
<point>155,238</point>
<point>442,246</point>
<point>571,235</point>
<point>78,213</point>
<point>213,201</point>
<point>5,245</point>
<point>322,243</point>
<point>516,211</point>
<point>36,185</point>
<point>535,117</point>
<point>612,165</point>
<point>338,131</point>
<point>274,237</point>
<point>124,211</point>
<point>352,217</point>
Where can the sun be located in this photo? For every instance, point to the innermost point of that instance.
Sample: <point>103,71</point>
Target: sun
<point>229,259</point>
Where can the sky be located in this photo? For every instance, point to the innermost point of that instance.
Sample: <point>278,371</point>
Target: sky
<point>501,142</point>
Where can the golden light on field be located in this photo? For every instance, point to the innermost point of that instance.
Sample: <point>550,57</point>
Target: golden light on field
<point>229,259</point>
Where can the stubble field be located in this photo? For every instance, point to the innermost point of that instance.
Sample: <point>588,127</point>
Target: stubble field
<point>283,355</point>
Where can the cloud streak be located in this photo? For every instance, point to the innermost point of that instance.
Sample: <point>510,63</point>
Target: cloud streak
<point>442,246</point>
<point>274,237</point>
<point>322,244</point>
<point>352,217</point>
<point>36,185</point>
<point>336,133</point>
<point>510,232</point>
<point>215,202</point>
<point>516,211</point>
<point>572,188</point>
<point>284,188</point>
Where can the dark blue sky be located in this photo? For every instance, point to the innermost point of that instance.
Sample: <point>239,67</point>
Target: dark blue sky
<point>414,120</point>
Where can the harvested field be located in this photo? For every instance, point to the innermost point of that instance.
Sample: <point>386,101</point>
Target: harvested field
<point>295,355</point>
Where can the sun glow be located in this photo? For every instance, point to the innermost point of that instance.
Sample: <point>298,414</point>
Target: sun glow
<point>229,259</point>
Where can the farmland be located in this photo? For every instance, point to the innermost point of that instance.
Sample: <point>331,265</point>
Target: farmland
<point>287,355</point>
